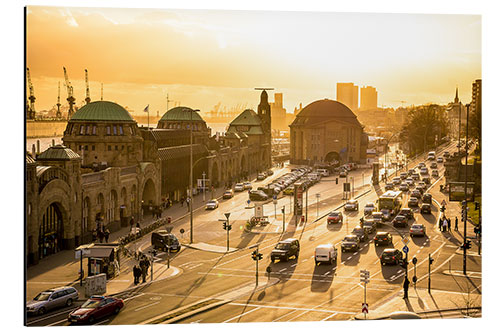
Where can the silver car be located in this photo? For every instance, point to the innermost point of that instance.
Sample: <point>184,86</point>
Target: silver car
<point>51,299</point>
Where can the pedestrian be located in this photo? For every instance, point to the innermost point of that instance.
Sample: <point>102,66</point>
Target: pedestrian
<point>440,224</point>
<point>456,223</point>
<point>106,234</point>
<point>137,225</point>
<point>445,225</point>
<point>137,272</point>
<point>406,285</point>
<point>182,201</point>
<point>131,223</point>
<point>144,269</point>
<point>100,235</point>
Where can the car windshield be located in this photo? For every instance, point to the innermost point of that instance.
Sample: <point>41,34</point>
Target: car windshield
<point>370,205</point>
<point>282,246</point>
<point>350,239</point>
<point>334,214</point>
<point>351,202</point>
<point>42,296</point>
<point>368,223</point>
<point>400,217</point>
<point>211,202</point>
<point>416,226</point>
<point>389,253</point>
<point>91,304</point>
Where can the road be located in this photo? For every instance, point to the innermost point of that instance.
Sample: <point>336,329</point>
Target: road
<point>300,290</point>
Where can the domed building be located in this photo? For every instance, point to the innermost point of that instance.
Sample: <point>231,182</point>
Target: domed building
<point>327,131</point>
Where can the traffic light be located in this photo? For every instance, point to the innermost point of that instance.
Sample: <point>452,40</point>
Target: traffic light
<point>464,215</point>
<point>224,225</point>
<point>466,245</point>
<point>229,227</point>
<point>254,255</point>
<point>414,261</point>
<point>442,209</point>
<point>283,210</point>
<point>259,256</point>
<point>431,260</point>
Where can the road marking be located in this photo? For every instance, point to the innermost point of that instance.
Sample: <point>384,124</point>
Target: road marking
<point>293,265</point>
<point>284,269</point>
<point>57,322</point>
<point>48,317</point>
<point>393,277</point>
<point>238,316</point>
<point>350,257</point>
<point>196,321</point>
<point>304,260</point>
<point>330,316</point>
<point>146,306</point>
<point>286,314</point>
<point>326,273</point>
<point>131,297</point>
<point>101,322</point>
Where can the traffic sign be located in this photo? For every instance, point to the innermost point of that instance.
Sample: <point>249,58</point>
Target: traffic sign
<point>248,202</point>
<point>364,308</point>
<point>169,229</point>
<point>275,197</point>
<point>406,241</point>
<point>443,203</point>
<point>318,195</point>
<point>181,231</point>
<point>406,249</point>
<point>227,215</point>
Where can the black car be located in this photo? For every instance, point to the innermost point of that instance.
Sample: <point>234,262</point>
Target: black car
<point>391,257</point>
<point>413,202</point>
<point>416,193</point>
<point>427,198</point>
<point>361,233</point>
<point>370,225</point>
<point>258,196</point>
<point>163,240</point>
<point>408,212</point>
<point>350,243</point>
<point>399,221</point>
<point>426,180</point>
<point>425,209</point>
<point>389,187</point>
<point>285,249</point>
<point>382,238</point>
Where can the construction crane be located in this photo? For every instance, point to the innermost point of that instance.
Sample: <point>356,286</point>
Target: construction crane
<point>58,114</point>
<point>70,99</point>
<point>87,91</point>
<point>31,98</point>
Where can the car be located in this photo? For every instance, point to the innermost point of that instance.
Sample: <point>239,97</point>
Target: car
<point>325,253</point>
<point>335,217</point>
<point>352,205</point>
<point>94,308</point>
<point>396,180</point>
<point>413,202</point>
<point>386,214</point>
<point>416,194</point>
<point>360,232</point>
<point>391,257</point>
<point>439,159</point>
<point>435,173</point>
<point>247,185</point>
<point>51,299</point>
<point>411,172</point>
<point>389,186</point>
<point>377,218</point>
<point>239,187</point>
<point>261,176</point>
<point>369,208</point>
<point>427,198</point>
<point>421,165</point>
<point>269,172</point>
<point>286,249</point>
<point>434,165</point>
<point>426,180</point>
<point>342,174</point>
<point>422,183</point>
<point>258,195</point>
<point>415,177</point>
<point>370,225</point>
<point>323,172</point>
<point>212,204</point>
<point>403,175</point>
<point>289,191</point>
<point>399,221</point>
<point>424,171</point>
<point>163,240</point>
<point>350,243</point>
<point>417,230</point>
<point>228,194</point>
<point>446,154</point>
<point>409,182</point>
<point>408,212</point>
<point>425,208</point>
<point>421,188</point>
<point>404,187</point>
<point>382,238</point>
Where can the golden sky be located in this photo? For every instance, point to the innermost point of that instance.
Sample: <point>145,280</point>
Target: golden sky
<point>201,57</point>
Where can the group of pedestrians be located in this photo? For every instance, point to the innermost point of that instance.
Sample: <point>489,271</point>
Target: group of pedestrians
<point>141,270</point>
<point>445,224</point>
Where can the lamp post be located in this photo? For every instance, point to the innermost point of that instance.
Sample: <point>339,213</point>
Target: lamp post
<point>466,162</point>
<point>191,173</point>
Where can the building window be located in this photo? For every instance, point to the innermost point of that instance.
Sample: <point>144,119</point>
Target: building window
<point>109,148</point>
<point>87,131</point>
<point>86,147</point>
<point>94,130</point>
<point>114,129</point>
<point>93,147</point>
<point>116,147</point>
<point>82,129</point>
<point>121,130</point>
<point>108,130</point>
<point>131,131</point>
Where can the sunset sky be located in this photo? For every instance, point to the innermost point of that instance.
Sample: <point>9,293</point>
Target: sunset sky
<point>203,57</point>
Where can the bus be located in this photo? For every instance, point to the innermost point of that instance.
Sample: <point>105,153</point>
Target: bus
<point>390,201</point>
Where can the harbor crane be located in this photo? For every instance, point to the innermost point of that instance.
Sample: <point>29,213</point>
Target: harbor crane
<point>31,98</point>
<point>70,99</point>
<point>58,114</point>
<point>87,91</point>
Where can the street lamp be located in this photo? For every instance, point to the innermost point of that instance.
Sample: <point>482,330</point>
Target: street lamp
<point>191,173</point>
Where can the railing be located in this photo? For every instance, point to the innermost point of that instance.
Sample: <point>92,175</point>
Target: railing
<point>92,177</point>
<point>128,170</point>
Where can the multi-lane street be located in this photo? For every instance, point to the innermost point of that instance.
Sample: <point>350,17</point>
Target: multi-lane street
<point>296,290</point>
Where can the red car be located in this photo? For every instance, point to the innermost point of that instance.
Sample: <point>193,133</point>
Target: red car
<point>94,308</point>
<point>335,217</point>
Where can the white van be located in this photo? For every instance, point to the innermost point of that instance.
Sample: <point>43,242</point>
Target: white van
<point>325,253</point>
<point>431,155</point>
<point>323,172</point>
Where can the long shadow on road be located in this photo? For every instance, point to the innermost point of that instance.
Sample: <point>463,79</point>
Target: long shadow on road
<point>322,277</point>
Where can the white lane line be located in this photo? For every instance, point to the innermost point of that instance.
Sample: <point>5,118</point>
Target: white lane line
<point>349,258</point>
<point>304,260</point>
<point>283,269</point>
<point>131,297</point>
<point>57,322</point>
<point>286,314</point>
<point>293,265</point>
<point>326,273</point>
<point>146,306</point>
<point>47,317</point>
<point>196,321</point>
<point>238,316</point>
<point>101,322</point>
<point>330,316</point>
<point>393,276</point>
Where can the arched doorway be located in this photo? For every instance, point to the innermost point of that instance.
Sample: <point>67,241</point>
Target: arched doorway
<point>148,197</point>
<point>332,157</point>
<point>51,231</point>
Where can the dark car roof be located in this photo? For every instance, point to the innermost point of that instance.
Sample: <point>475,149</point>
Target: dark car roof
<point>426,204</point>
<point>383,233</point>
<point>288,240</point>
<point>335,213</point>
<point>390,250</point>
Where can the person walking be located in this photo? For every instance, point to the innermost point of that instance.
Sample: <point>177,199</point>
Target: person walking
<point>137,273</point>
<point>131,223</point>
<point>182,201</point>
<point>456,223</point>
<point>106,235</point>
<point>445,224</point>
<point>440,224</point>
<point>406,285</point>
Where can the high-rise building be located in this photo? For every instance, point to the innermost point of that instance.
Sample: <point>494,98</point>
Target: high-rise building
<point>368,98</point>
<point>278,113</point>
<point>347,94</point>
<point>476,96</point>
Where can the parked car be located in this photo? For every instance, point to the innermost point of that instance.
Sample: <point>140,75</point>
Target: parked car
<point>289,191</point>
<point>370,226</point>
<point>425,209</point>
<point>391,257</point>
<point>369,208</point>
<point>239,187</point>
<point>247,186</point>
<point>212,204</point>
<point>407,212</point>
<point>258,196</point>
<point>335,217</point>
<point>286,249</point>
<point>352,205</point>
<point>94,308</point>
<point>325,253</point>
<point>228,194</point>
<point>163,240</point>
<point>417,230</point>
<point>323,172</point>
<point>360,232</point>
<point>382,238</point>
<point>427,198</point>
<point>51,299</point>
<point>350,243</point>
<point>399,221</point>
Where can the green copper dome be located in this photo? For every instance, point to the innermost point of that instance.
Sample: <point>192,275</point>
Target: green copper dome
<point>181,113</point>
<point>102,111</point>
<point>58,152</point>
